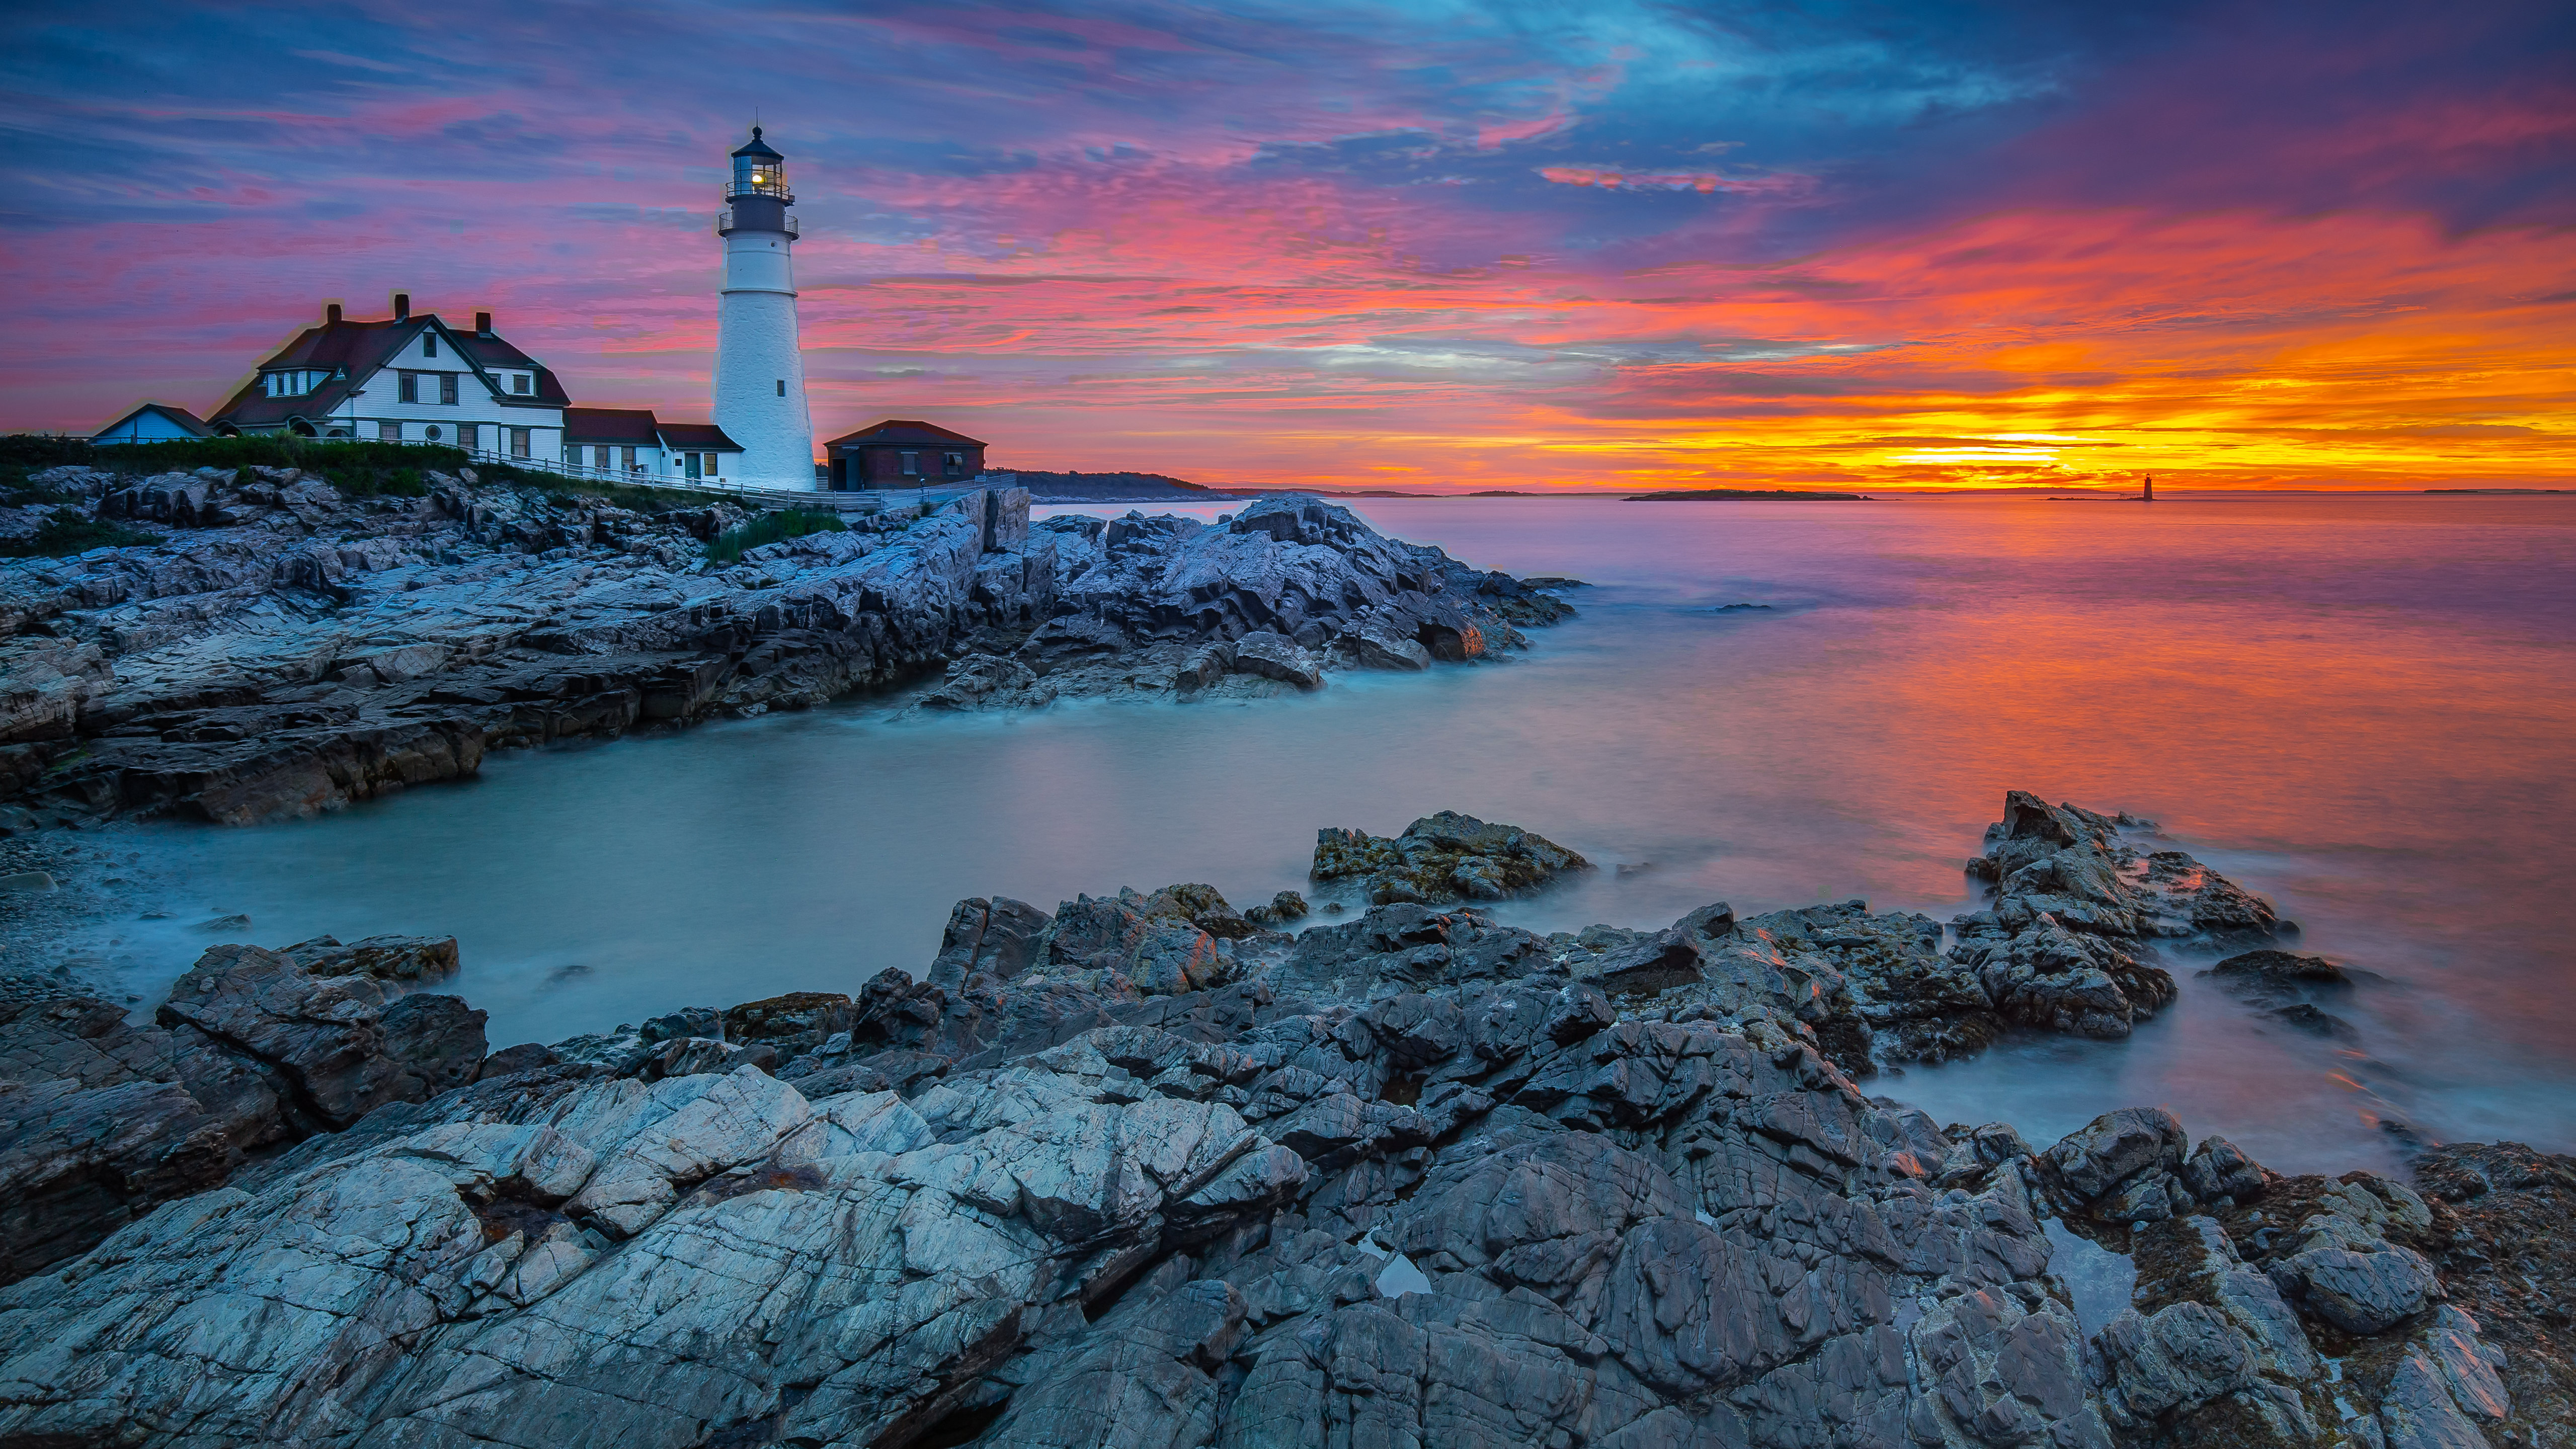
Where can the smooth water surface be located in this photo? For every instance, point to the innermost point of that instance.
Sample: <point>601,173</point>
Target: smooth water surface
<point>2359,706</point>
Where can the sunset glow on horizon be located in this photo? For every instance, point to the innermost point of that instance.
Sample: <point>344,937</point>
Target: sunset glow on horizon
<point>1428,247</point>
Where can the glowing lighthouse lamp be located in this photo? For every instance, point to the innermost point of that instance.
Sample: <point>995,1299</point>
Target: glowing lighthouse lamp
<point>760,376</point>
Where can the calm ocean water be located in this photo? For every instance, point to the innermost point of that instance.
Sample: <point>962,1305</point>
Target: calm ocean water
<point>2360,706</point>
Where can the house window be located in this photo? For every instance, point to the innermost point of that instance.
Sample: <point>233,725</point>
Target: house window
<point>408,386</point>
<point>911,465</point>
<point>447,388</point>
<point>599,457</point>
<point>782,387</point>
<point>469,436</point>
<point>519,383</point>
<point>956,464</point>
<point>626,456</point>
<point>518,442</point>
<point>430,432</point>
<point>429,344</point>
<point>388,432</point>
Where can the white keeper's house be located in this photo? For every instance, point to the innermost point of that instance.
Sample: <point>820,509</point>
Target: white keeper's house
<point>412,378</point>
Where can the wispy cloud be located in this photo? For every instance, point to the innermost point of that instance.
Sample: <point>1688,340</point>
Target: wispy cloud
<point>1512,241</point>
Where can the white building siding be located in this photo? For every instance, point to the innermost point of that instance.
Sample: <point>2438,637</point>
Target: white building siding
<point>378,401</point>
<point>612,456</point>
<point>760,372</point>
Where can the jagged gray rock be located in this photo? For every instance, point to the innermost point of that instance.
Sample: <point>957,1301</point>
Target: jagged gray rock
<point>102,1118</point>
<point>2212,1344</point>
<point>289,650</point>
<point>1274,655</point>
<point>1411,1178</point>
<point>343,1045</point>
<point>985,681</point>
<point>1442,858</point>
<point>2066,946</point>
<point>2357,1280</point>
<point>387,958</point>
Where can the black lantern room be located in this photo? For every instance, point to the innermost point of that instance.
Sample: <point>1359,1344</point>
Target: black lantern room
<point>759,171</point>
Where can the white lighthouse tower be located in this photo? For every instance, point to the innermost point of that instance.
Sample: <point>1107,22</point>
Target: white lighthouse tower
<point>760,375</point>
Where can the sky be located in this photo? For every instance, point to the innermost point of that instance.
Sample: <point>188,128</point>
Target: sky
<point>1427,245</point>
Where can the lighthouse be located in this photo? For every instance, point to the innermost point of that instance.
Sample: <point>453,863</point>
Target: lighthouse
<point>760,376</point>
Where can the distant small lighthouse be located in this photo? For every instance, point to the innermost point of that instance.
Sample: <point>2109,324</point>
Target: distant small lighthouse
<point>2149,496</point>
<point>760,375</point>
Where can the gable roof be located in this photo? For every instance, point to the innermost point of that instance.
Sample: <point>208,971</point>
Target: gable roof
<point>903,430</point>
<point>491,351</point>
<point>355,350</point>
<point>702,437</point>
<point>631,426</point>
<point>183,419</point>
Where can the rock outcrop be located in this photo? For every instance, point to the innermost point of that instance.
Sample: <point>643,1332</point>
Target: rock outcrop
<point>1487,1211</point>
<point>2501,1243</point>
<point>1442,858</point>
<point>1146,1171</point>
<point>2291,988</point>
<point>104,1119</point>
<point>2079,916</point>
<point>287,649</point>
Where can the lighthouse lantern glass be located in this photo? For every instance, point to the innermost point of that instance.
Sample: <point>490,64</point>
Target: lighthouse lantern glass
<point>759,176</point>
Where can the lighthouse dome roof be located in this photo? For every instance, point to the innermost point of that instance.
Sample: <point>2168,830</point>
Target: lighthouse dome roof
<point>759,147</point>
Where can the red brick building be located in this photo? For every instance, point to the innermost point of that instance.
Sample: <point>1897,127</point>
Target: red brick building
<point>901,453</point>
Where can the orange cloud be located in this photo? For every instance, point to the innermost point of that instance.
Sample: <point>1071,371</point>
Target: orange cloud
<point>1296,343</point>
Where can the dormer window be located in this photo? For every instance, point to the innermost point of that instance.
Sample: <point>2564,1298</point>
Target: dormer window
<point>519,382</point>
<point>293,382</point>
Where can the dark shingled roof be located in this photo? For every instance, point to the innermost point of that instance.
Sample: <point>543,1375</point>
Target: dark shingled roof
<point>630,426</point>
<point>903,430</point>
<point>759,147</point>
<point>362,347</point>
<point>698,437</point>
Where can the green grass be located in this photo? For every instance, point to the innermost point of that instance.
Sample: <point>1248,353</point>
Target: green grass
<point>358,468</point>
<point>25,453</point>
<point>70,531</point>
<point>727,547</point>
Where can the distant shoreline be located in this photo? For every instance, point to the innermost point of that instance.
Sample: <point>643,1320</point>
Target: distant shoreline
<point>1722,495</point>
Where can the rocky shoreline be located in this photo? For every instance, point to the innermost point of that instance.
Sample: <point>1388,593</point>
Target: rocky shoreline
<point>1151,1170</point>
<point>284,646</point>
